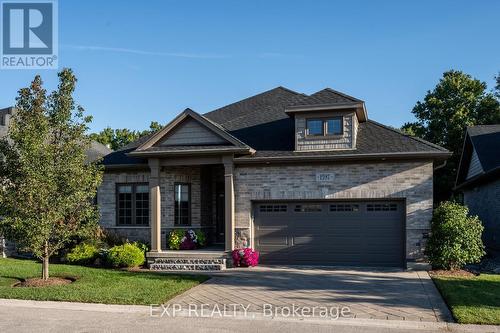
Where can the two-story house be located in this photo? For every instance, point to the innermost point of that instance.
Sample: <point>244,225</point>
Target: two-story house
<point>304,179</point>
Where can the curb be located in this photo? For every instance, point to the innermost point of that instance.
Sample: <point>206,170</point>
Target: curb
<point>353,322</point>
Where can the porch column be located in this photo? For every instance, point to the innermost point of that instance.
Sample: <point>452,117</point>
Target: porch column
<point>229,202</point>
<point>155,199</point>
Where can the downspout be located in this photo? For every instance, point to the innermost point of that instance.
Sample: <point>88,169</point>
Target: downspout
<point>440,166</point>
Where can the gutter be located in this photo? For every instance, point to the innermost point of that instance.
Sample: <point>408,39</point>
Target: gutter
<point>345,157</point>
<point>141,154</point>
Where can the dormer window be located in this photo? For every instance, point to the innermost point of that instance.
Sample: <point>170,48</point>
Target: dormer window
<point>325,126</point>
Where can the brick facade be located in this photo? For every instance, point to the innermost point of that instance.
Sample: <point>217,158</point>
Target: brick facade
<point>106,198</point>
<point>411,181</point>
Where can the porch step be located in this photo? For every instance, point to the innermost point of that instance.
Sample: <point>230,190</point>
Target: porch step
<point>187,264</point>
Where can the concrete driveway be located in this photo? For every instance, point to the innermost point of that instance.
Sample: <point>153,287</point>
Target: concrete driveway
<point>368,294</point>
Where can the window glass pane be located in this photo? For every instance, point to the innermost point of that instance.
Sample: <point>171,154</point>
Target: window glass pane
<point>142,189</point>
<point>334,126</point>
<point>124,204</point>
<point>308,208</point>
<point>181,204</point>
<point>124,189</point>
<point>141,206</point>
<point>133,204</point>
<point>315,127</point>
<point>272,208</point>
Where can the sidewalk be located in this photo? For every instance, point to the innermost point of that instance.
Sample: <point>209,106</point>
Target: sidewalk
<point>28,316</point>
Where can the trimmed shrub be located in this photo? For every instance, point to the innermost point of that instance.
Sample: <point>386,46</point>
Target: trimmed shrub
<point>175,239</point>
<point>143,246</point>
<point>455,237</point>
<point>126,255</point>
<point>83,254</point>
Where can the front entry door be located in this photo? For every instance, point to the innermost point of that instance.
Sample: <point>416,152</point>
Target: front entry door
<point>220,213</point>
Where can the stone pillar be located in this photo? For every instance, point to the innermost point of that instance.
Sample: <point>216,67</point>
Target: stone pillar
<point>229,202</point>
<point>155,199</point>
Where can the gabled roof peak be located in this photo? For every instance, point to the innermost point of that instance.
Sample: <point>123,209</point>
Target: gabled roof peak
<point>328,99</point>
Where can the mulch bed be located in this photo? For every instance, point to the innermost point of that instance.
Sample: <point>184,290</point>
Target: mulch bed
<point>454,273</point>
<point>37,282</point>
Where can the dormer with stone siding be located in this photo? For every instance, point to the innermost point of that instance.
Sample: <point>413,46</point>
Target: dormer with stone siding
<point>327,120</point>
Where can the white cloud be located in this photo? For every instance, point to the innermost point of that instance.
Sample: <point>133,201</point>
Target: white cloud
<point>147,53</point>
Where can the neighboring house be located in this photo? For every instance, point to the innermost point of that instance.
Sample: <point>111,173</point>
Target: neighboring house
<point>95,152</point>
<point>478,179</point>
<point>303,179</point>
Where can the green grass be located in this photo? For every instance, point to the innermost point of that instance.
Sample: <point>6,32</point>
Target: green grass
<point>472,300</point>
<point>94,285</point>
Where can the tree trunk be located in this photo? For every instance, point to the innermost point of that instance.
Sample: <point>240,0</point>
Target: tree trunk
<point>45,262</point>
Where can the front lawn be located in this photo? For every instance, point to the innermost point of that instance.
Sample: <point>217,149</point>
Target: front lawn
<point>93,285</point>
<point>473,300</point>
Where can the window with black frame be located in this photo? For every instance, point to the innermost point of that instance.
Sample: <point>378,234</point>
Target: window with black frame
<point>325,126</point>
<point>132,204</point>
<point>182,203</point>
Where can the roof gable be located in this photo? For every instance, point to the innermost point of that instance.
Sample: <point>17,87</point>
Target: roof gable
<point>480,154</point>
<point>486,142</point>
<point>475,167</point>
<point>190,132</point>
<point>329,99</point>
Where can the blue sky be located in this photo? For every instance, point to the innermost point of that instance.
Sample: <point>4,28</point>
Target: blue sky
<point>138,61</point>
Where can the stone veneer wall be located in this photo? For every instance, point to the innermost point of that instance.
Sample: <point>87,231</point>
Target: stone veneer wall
<point>106,198</point>
<point>409,180</point>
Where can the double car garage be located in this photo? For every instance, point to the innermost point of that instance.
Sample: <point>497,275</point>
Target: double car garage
<point>344,233</point>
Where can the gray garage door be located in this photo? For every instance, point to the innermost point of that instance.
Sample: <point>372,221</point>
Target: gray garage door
<point>358,233</point>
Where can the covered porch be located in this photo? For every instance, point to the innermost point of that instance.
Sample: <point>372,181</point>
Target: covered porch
<point>191,186</point>
<point>192,193</point>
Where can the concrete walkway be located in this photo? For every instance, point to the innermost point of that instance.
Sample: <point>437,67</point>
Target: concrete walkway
<point>368,294</point>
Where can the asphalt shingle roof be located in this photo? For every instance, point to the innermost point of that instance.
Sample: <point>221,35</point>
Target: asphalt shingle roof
<point>97,151</point>
<point>486,142</point>
<point>326,96</point>
<point>260,122</point>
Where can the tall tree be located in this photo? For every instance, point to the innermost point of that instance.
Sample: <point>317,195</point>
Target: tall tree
<point>120,137</point>
<point>46,185</point>
<point>457,101</point>
<point>497,86</point>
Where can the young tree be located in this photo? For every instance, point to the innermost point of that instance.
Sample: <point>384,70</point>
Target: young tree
<point>457,101</point>
<point>46,184</point>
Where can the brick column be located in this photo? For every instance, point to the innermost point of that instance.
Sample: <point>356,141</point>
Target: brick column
<point>155,199</point>
<point>229,202</point>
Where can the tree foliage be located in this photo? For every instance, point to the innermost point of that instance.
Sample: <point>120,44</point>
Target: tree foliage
<point>47,185</point>
<point>455,237</point>
<point>457,101</point>
<point>120,137</point>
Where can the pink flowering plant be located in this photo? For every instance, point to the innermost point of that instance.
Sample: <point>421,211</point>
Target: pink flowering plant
<point>246,257</point>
